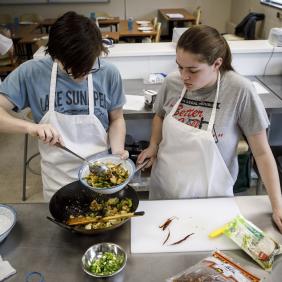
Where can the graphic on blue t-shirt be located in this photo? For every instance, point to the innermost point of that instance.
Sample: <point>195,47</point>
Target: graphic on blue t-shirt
<point>64,102</point>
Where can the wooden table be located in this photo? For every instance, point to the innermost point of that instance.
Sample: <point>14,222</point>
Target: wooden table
<point>134,33</point>
<point>112,21</point>
<point>46,23</point>
<point>112,35</point>
<point>175,22</point>
<point>24,36</point>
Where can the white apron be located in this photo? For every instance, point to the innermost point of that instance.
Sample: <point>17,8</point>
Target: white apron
<point>84,134</point>
<point>189,164</point>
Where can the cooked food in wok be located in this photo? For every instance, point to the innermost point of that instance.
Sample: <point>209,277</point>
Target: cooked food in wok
<point>103,213</point>
<point>75,200</point>
<point>116,175</point>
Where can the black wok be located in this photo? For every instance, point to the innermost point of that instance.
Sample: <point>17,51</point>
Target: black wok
<point>74,199</point>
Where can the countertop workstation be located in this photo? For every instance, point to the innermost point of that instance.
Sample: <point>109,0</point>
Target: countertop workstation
<point>36,244</point>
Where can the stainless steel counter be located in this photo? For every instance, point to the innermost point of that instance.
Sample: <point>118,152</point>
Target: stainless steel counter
<point>35,244</point>
<point>271,101</point>
<point>136,87</point>
<point>273,82</point>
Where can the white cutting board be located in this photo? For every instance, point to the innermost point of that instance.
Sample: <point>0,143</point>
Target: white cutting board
<point>199,216</point>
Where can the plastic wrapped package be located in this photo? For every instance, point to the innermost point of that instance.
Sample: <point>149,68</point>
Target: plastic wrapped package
<point>253,241</point>
<point>217,267</point>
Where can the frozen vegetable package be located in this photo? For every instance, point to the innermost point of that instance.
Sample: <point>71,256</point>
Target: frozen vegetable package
<point>253,241</point>
<point>217,267</point>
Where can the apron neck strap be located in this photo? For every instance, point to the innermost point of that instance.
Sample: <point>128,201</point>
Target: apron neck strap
<point>53,87</point>
<point>212,119</point>
<point>90,94</point>
<point>52,92</point>
<point>174,108</point>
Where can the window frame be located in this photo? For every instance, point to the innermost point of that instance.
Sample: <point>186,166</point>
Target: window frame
<point>272,3</point>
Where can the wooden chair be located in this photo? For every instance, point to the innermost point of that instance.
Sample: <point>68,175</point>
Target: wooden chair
<point>30,18</point>
<point>154,22</point>
<point>8,63</point>
<point>158,30</point>
<point>5,19</point>
<point>198,14</point>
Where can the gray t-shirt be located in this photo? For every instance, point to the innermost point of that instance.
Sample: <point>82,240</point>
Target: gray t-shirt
<point>29,86</point>
<point>239,111</point>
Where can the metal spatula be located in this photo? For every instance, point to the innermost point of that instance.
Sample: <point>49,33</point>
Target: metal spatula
<point>96,167</point>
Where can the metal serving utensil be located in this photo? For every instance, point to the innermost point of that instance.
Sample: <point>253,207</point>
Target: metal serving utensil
<point>97,167</point>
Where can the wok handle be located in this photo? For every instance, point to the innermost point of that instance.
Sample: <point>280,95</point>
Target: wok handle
<point>59,223</point>
<point>139,213</point>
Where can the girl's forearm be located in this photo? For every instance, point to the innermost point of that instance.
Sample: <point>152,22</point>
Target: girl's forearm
<point>156,135</point>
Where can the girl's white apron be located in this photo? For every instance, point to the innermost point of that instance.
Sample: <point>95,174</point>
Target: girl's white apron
<point>189,164</point>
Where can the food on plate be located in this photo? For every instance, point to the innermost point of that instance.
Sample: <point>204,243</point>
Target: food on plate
<point>98,210</point>
<point>116,175</point>
<point>107,264</point>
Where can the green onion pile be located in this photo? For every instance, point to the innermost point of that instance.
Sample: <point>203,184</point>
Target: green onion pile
<point>107,264</point>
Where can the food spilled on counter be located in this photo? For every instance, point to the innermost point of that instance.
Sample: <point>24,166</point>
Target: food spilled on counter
<point>167,237</point>
<point>182,240</point>
<point>165,225</point>
<point>253,241</point>
<point>217,267</point>
<point>116,175</point>
<point>167,222</point>
<point>112,208</point>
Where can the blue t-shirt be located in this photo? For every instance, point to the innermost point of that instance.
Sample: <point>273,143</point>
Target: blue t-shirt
<point>29,86</point>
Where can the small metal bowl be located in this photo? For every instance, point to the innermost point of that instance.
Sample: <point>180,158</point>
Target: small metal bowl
<point>96,251</point>
<point>127,164</point>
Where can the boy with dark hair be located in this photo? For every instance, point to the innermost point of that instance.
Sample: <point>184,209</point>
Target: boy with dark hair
<point>76,99</point>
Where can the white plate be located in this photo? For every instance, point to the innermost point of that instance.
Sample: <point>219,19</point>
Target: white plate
<point>145,28</point>
<point>7,220</point>
<point>143,22</point>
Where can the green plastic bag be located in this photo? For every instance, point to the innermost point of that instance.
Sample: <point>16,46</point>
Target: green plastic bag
<point>253,241</point>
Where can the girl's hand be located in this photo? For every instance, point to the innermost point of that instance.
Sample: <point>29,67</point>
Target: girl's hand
<point>148,153</point>
<point>277,217</point>
<point>45,132</point>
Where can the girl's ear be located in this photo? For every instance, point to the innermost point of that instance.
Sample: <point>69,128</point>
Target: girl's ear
<point>217,63</point>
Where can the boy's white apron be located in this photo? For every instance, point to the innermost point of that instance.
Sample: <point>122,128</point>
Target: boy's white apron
<point>84,134</point>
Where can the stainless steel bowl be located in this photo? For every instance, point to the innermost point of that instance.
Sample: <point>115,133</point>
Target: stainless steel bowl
<point>96,251</point>
<point>127,164</point>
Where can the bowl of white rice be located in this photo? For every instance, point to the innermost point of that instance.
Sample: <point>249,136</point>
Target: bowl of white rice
<point>7,220</point>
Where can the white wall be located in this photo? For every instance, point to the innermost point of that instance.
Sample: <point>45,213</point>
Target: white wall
<point>214,12</point>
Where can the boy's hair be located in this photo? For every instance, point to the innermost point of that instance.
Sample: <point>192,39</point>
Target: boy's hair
<point>76,42</point>
<point>208,44</point>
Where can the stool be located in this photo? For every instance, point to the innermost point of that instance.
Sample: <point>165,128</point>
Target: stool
<point>243,156</point>
<point>27,160</point>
